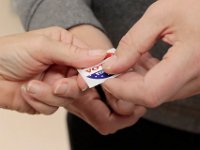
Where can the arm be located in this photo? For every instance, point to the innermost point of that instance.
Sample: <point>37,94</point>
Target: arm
<point>34,13</point>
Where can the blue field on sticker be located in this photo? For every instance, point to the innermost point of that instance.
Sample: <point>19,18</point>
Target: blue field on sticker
<point>99,75</point>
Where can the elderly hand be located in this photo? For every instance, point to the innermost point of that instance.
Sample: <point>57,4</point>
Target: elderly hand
<point>64,90</point>
<point>29,56</point>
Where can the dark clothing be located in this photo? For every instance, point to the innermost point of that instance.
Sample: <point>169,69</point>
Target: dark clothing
<point>143,135</point>
<point>115,17</point>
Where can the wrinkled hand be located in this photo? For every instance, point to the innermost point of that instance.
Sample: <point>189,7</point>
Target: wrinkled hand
<point>177,75</point>
<point>59,88</point>
<point>29,56</point>
<point>87,105</point>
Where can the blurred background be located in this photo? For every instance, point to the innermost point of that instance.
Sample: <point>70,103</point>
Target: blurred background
<point>26,132</point>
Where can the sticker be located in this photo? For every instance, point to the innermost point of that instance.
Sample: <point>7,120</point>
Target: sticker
<point>95,75</point>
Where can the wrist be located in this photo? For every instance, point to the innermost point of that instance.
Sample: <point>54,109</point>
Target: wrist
<point>92,36</point>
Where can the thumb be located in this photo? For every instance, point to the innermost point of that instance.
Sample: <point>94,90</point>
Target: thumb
<point>139,39</point>
<point>50,51</point>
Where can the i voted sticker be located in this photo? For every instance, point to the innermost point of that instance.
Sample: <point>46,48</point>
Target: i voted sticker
<point>95,75</point>
<point>99,75</point>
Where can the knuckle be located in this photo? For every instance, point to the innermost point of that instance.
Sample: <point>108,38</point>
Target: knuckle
<point>74,51</point>
<point>125,109</point>
<point>104,129</point>
<point>155,12</point>
<point>151,100</point>
<point>43,94</point>
<point>50,111</point>
<point>32,112</point>
<point>128,43</point>
<point>122,107</point>
<point>126,40</point>
<point>40,41</point>
<point>56,28</point>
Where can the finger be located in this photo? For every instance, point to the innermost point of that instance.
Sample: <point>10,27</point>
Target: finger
<point>41,108</point>
<point>191,88</point>
<point>54,73</point>
<point>98,115</point>
<point>38,106</point>
<point>49,51</point>
<point>139,39</point>
<point>113,122</point>
<point>60,34</point>
<point>125,85</point>
<point>71,72</point>
<point>144,64</point>
<point>139,69</point>
<point>119,106</point>
<point>147,61</point>
<point>81,83</point>
<point>67,87</point>
<point>160,83</point>
<point>43,93</point>
<point>90,108</point>
<point>139,111</point>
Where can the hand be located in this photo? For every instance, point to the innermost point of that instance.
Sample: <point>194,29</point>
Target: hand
<point>177,75</point>
<point>87,33</point>
<point>87,105</point>
<point>64,91</point>
<point>28,56</point>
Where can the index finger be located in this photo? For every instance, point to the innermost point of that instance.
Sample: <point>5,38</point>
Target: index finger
<point>159,84</point>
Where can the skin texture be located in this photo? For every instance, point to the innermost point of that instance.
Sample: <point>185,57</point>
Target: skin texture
<point>32,56</point>
<point>87,104</point>
<point>145,81</point>
<point>176,76</point>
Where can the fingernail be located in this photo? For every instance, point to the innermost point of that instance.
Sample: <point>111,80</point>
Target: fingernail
<point>83,90</point>
<point>97,52</point>
<point>61,89</point>
<point>33,88</point>
<point>109,62</point>
<point>24,87</point>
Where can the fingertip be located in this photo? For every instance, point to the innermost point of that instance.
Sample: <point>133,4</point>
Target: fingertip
<point>109,64</point>
<point>125,107</point>
<point>61,89</point>
<point>81,83</point>
<point>84,58</point>
<point>67,87</point>
<point>117,64</point>
<point>140,111</point>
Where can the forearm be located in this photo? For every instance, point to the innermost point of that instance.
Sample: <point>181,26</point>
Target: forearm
<point>63,13</point>
<point>92,36</point>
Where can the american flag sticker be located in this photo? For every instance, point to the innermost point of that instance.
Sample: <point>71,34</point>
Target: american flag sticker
<point>99,75</point>
<point>95,75</point>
